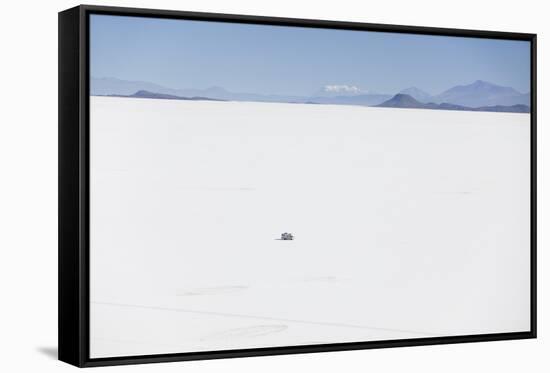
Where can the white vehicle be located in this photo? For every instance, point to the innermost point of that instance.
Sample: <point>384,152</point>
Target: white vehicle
<point>287,236</point>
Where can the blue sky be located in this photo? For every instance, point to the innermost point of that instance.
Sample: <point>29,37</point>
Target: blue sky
<point>296,61</point>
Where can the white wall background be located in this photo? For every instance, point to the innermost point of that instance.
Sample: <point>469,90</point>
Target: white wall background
<point>28,185</point>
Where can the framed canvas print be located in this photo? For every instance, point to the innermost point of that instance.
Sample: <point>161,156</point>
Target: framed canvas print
<point>236,186</point>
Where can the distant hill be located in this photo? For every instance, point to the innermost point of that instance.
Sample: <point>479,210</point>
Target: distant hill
<point>405,101</point>
<point>402,100</point>
<point>146,94</point>
<point>112,86</point>
<point>163,96</point>
<point>506,109</point>
<point>418,94</point>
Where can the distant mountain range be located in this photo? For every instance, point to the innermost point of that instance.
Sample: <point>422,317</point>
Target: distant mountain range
<point>477,94</point>
<point>481,93</point>
<point>402,100</point>
<point>164,96</point>
<point>474,96</point>
<point>112,86</point>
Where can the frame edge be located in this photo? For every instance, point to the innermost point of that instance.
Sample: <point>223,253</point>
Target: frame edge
<point>304,22</point>
<point>534,217</point>
<point>70,349</point>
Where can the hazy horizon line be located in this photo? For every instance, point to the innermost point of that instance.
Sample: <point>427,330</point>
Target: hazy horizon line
<point>344,88</point>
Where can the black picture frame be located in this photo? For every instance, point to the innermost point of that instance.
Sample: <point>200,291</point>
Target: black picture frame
<point>74,186</point>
